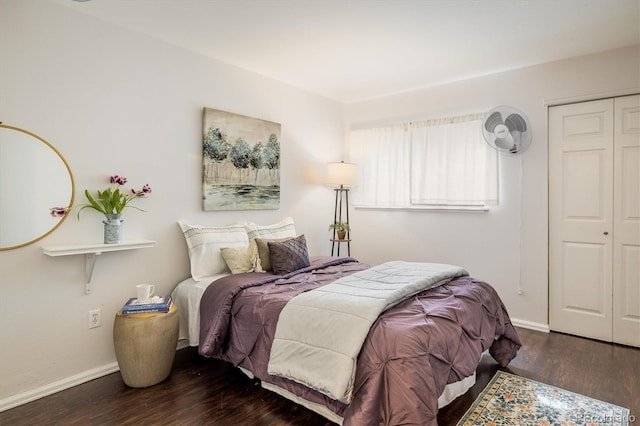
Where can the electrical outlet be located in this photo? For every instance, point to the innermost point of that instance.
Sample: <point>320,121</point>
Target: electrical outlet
<point>94,318</point>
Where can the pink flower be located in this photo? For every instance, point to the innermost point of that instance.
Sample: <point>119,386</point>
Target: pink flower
<point>118,179</point>
<point>59,211</point>
<point>143,192</point>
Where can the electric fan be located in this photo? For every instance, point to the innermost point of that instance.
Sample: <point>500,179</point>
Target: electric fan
<point>507,130</point>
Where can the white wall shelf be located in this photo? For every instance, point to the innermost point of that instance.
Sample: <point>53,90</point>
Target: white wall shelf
<point>90,252</point>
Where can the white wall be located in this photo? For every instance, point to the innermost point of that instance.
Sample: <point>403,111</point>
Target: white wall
<point>506,246</point>
<point>113,101</point>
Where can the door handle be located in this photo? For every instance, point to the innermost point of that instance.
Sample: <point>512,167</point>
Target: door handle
<point>606,233</point>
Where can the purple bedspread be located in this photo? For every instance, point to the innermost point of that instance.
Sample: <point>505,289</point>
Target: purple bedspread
<point>412,352</point>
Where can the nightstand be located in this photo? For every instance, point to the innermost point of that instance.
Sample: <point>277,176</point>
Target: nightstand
<point>145,346</point>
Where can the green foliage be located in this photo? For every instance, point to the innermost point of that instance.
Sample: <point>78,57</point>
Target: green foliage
<point>340,226</point>
<point>112,200</point>
<point>240,154</point>
<point>256,156</point>
<point>272,153</point>
<point>215,146</point>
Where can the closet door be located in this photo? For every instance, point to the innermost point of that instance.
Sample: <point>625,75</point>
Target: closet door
<point>626,225</point>
<point>581,218</point>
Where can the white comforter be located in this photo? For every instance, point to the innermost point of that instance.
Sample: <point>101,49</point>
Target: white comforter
<point>320,332</point>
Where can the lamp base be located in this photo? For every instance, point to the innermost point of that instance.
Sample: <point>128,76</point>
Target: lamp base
<point>341,236</point>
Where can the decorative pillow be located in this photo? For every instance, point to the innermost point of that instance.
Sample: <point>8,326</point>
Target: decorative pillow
<point>204,244</point>
<point>289,255</point>
<point>242,259</point>
<point>283,229</point>
<point>263,251</point>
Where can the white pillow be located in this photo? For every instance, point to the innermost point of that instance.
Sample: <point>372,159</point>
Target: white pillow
<point>283,229</point>
<point>205,242</point>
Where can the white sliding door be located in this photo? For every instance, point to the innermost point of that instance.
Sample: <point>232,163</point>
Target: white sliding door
<point>594,219</point>
<point>626,225</point>
<point>580,218</point>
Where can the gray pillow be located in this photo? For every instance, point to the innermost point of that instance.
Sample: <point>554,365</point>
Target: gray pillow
<point>289,255</point>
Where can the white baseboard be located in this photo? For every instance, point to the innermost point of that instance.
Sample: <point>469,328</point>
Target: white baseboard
<point>60,385</point>
<point>531,325</point>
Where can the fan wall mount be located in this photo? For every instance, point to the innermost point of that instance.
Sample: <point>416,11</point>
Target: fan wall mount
<point>507,130</point>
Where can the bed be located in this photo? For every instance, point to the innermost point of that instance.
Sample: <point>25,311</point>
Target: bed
<point>419,354</point>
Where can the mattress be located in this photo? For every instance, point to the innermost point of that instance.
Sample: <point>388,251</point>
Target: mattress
<point>450,393</point>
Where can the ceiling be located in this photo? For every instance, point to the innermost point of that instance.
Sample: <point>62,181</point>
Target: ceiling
<point>351,50</point>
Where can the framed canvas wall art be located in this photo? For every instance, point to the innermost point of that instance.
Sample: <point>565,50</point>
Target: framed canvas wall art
<point>240,162</point>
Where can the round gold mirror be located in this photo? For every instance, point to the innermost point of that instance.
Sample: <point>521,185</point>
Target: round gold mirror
<point>34,178</point>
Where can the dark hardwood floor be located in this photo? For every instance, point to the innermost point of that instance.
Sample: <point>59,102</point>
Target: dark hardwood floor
<point>202,391</point>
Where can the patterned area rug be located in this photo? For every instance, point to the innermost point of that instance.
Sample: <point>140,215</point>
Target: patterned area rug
<point>514,400</point>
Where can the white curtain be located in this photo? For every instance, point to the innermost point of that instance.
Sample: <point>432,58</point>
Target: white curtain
<point>427,163</point>
<point>451,163</point>
<point>383,156</point>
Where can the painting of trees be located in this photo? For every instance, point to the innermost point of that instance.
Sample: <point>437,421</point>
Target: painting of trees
<point>241,162</point>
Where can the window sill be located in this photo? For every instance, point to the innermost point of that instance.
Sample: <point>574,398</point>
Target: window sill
<point>464,209</point>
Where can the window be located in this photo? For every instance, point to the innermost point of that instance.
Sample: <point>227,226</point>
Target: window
<point>434,163</point>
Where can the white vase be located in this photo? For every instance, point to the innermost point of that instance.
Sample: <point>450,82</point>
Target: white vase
<point>112,229</point>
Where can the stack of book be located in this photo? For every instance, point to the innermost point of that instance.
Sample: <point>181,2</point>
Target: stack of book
<point>155,304</point>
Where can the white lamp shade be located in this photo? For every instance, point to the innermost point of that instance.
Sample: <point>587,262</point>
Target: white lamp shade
<point>341,174</point>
